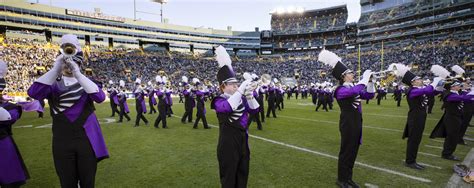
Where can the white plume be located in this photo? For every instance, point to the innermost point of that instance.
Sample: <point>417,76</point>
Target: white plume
<point>328,58</point>
<point>275,80</point>
<point>158,79</point>
<point>440,71</point>
<point>138,81</point>
<point>184,79</point>
<point>111,82</point>
<point>458,70</point>
<point>165,80</point>
<point>149,83</point>
<point>247,76</point>
<point>122,83</point>
<point>195,80</point>
<point>394,84</point>
<point>223,57</point>
<point>401,69</point>
<point>3,68</point>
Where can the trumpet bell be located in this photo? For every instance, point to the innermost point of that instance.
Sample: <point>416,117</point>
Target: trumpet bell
<point>68,50</point>
<point>265,79</point>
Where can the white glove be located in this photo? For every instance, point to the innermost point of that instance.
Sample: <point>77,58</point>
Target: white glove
<point>50,77</point>
<point>243,86</point>
<point>249,90</point>
<point>73,67</point>
<point>365,77</point>
<point>436,82</point>
<point>4,115</point>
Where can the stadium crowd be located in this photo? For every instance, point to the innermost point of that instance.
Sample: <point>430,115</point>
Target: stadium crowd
<point>29,58</point>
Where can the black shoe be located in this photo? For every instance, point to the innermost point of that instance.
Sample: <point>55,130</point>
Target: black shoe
<point>194,127</point>
<point>183,122</point>
<point>462,142</point>
<point>414,166</point>
<point>165,127</point>
<point>207,127</point>
<point>451,158</point>
<point>353,184</point>
<point>128,119</point>
<point>342,184</point>
<point>112,116</point>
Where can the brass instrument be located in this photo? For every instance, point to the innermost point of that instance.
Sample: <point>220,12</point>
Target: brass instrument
<point>68,50</point>
<point>265,79</point>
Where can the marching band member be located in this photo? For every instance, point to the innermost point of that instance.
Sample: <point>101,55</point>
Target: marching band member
<point>122,98</point>
<point>160,93</point>
<point>348,97</point>
<point>13,172</point>
<point>397,93</point>
<point>232,108</point>
<point>417,102</point>
<point>450,124</point>
<point>150,91</point>
<point>112,90</point>
<point>189,103</point>
<point>200,104</point>
<point>140,105</point>
<point>78,144</point>
<point>468,107</point>
<point>271,99</point>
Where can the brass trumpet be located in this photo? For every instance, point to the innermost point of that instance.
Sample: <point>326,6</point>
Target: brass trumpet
<point>265,79</point>
<point>68,50</point>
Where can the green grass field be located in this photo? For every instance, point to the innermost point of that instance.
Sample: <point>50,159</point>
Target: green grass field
<point>297,149</point>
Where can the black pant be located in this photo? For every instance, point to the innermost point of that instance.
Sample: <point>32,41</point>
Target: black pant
<point>255,117</point>
<point>400,100</point>
<point>113,106</point>
<point>262,113</point>
<point>378,100</point>
<point>414,139</point>
<point>169,111</point>
<point>152,108</point>
<point>188,114</point>
<point>431,101</point>
<point>75,162</point>
<point>453,132</point>
<point>140,116</point>
<point>350,142</point>
<point>271,108</point>
<point>123,113</point>
<point>200,116</point>
<point>234,158</point>
<point>161,117</point>
<point>324,103</point>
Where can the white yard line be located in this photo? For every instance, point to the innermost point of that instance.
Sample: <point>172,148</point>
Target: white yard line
<point>437,147</point>
<point>428,154</point>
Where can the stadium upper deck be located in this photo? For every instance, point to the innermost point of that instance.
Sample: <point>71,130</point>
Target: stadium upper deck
<point>99,28</point>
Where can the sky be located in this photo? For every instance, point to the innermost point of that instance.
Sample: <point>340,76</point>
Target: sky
<point>242,15</point>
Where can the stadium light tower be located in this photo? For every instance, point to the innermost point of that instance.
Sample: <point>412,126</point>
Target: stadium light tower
<point>161,9</point>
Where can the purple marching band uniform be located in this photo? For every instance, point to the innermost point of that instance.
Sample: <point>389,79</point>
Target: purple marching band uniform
<point>201,108</point>
<point>233,150</point>
<point>140,106</point>
<point>450,124</point>
<point>13,171</point>
<point>161,108</point>
<point>232,112</point>
<point>397,95</point>
<point>114,102</point>
<point>271,101</point>
<point>189,104</point>
<point>124,110</point>
<point>169,102</point>
<point>417,102</point>
<point>151,99</point>
<point>350,125</point>
<point>255,117</point>
<point>78,144</point>
<point>468,108</point>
